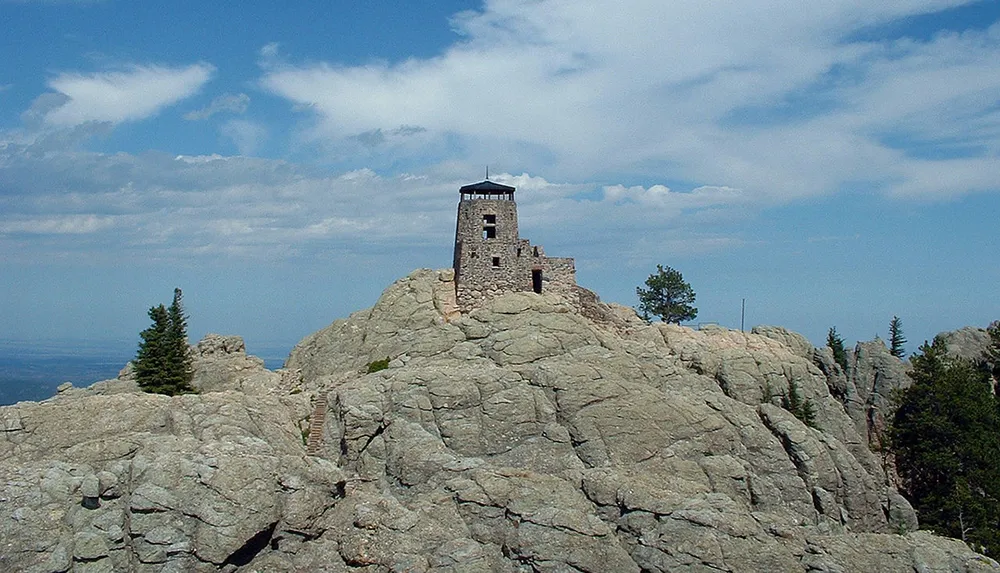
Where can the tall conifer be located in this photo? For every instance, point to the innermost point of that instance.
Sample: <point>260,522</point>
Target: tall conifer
<point>163,361</point>
<point>896,338</point>
<point>946,440</point>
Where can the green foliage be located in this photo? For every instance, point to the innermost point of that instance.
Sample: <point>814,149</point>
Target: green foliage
<point>896,339</point>
<point>163,361</point>
<point>377,365</point>
<point>667,296</point>
<point>801,408</point>
<point>946,439</point>
<point>992,358</point>
<point>836,343</point>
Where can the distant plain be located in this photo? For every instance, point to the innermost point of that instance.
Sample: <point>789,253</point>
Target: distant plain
<point>32,370</point>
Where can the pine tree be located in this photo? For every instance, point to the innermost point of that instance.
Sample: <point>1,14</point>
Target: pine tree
<point>179,354</point>
<point>896,339</point>
<point>163,361</point>
<point>946,441</point>
<point>667,296</point>
<point>151,360</point>
<point>836,343</point>
<point>801,408</point>
<point>991,359</point>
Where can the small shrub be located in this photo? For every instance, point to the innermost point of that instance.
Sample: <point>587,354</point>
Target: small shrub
<point>377,365</point>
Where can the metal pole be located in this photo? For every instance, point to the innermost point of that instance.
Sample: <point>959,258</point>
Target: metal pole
<point>743,312</point>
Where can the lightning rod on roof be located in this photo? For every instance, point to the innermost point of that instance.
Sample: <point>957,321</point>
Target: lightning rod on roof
<point>487,172</point>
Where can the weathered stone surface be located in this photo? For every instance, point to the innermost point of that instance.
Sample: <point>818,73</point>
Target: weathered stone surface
<point>184,481</point>
<point>221,363</point>
<point>406,320</point>
<point>798,344</point>
<point>969,342</point>
<point>529,435</point>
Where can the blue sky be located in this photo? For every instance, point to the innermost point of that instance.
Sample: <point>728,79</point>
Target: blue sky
<point>284,162</point>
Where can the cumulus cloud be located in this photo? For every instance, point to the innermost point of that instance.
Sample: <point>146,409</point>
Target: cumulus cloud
<point>117,96</point>
<point>225,103</point>
<point>759,96</point>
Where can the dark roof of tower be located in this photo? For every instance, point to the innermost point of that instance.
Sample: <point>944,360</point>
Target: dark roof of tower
<point>487,187</point>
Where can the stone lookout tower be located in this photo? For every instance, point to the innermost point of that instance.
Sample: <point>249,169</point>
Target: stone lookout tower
<point>491,259</point>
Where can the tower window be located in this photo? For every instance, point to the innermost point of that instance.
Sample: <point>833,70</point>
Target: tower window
<point>496,262</point>
<point>489,226</point>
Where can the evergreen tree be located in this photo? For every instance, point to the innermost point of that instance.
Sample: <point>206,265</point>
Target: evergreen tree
<point>992,357</point>
<point>163,361</point>
<point>179,352</point>
<point>667,296</point>
<point>801,408</point>
<point>946,440</point>
<point>836,343</point>
<point>151,359</point>
<point>896,338</point>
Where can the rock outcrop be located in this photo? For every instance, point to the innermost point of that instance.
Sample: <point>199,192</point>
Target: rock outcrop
<point>969,343</point>
<point>867,389</point>
<point>533,434</point>
<point>221,363</point>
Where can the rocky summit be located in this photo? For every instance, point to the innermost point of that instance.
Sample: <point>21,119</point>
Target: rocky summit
<point>534,434</point>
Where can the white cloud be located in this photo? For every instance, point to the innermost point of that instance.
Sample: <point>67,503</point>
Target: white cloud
<point>225,103</point>
<point>765,97</point>
<point>247,135</point>
<point>60,225</point>
<point>158,205</point>
<point>133,94</point>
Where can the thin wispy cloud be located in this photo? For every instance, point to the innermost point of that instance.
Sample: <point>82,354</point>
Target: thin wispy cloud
<point>118,96</point>
<point>225,103</point>
<point>64,225</point>
<point>246,135</point>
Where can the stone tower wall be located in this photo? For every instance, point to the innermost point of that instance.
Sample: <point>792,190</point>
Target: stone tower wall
<point>491,259</point>
<point>486,266</point>
<point>559,276</point>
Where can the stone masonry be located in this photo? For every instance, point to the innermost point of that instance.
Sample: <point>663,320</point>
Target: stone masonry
<point>491,258</point>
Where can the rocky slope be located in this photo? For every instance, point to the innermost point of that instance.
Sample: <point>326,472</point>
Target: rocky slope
<point>536,434</point>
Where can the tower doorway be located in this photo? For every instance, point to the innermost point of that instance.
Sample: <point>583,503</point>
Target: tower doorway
<point>536,280</point>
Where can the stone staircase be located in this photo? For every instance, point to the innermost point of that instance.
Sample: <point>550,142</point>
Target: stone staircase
<point>316,422</point>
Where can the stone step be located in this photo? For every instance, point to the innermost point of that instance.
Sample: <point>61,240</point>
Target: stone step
<point>316,423</point>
